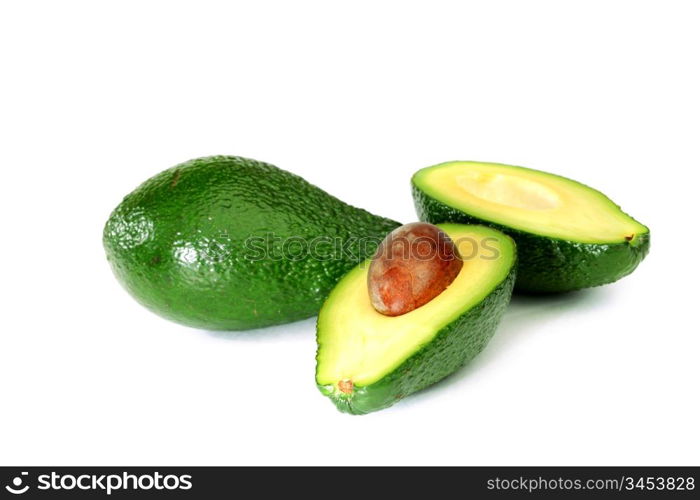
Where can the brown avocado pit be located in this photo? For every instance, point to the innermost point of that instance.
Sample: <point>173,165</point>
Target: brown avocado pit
<point>414,264</point>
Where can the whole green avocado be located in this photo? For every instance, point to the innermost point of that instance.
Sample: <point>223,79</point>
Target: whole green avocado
<point>230,243</point>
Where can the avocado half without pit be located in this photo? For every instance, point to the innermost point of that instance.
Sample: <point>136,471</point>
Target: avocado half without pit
<point>425,304</point>
<point>569,235</point>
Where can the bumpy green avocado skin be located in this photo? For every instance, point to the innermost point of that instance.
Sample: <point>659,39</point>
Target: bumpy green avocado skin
<point>452,347</point>
<point>549,265</point>
<point>229,243</point>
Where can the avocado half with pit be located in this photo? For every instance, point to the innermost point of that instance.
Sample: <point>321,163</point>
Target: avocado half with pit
<point>367,361</point>
<point>569,235</point>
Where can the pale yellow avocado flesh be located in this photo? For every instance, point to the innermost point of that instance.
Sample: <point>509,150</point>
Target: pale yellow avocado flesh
<point>361,345</point>
<point>529,200</point>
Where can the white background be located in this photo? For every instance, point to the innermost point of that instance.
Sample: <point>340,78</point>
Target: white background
<point>354,96</point>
